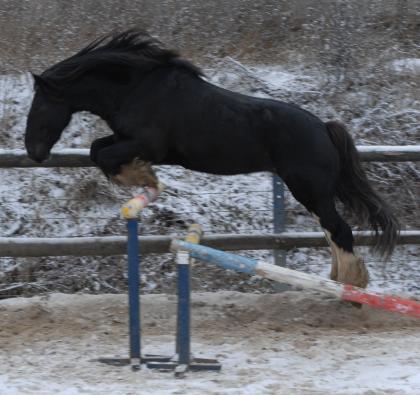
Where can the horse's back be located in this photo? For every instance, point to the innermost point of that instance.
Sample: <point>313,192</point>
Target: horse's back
<point>218,131</point>
<point>215,130</point>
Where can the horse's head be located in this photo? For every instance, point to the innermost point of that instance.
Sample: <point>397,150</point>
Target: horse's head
<point>97,79</point>
<point>48,117</point>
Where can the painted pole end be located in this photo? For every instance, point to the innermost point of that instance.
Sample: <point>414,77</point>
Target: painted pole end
<point>132,208</point>
<point>175,247</point>
<point>194,234</point>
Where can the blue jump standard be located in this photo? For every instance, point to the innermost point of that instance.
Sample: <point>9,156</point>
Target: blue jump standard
<point>184,321</point>
<point>135,357</point>
<point>182,360</point>
<point>133,292</point>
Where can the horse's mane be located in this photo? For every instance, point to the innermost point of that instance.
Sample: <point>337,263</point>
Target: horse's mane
<point>134,48</point>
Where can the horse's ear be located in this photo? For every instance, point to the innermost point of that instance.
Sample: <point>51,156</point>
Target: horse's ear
<point>41,82</point>
<point>38,80</point>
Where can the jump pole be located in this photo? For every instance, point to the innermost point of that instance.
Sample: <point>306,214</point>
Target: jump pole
<point>342,291</point>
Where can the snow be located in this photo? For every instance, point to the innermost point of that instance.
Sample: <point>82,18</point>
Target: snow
<point>407,66</point>
<point>395,148</point>
<point>62,151</point>
<point>279,79</point>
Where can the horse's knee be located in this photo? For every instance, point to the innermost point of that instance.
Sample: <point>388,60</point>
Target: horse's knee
<point>99,144</point>
<point>108,166</point>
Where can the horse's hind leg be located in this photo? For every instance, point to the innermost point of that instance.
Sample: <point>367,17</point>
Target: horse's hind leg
<point>346,266</point>
<point>334,255</point>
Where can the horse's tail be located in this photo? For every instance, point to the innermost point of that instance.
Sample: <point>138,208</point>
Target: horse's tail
<point>356,193</point>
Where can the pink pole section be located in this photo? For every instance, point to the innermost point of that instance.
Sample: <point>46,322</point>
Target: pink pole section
<point>132,208</point>
<point>386,302</point>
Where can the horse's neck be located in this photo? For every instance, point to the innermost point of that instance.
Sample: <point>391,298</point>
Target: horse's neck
<point>97,107</point>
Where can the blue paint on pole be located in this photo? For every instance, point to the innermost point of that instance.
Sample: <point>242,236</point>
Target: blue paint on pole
<point>220,258</point>
<point>183,335</point>
<point>133,289</point>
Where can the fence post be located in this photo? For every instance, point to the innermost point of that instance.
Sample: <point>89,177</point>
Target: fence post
<point>279,225</point>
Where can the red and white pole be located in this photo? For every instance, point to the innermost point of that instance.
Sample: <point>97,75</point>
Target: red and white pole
<point>296,278</point>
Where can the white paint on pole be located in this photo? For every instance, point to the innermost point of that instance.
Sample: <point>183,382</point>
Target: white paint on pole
<point>298,279</point>
<point>134,206</point>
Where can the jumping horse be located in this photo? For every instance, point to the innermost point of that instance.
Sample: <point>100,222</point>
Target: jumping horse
<point>162,111</point>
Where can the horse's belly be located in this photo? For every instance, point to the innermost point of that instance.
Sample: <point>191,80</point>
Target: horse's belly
<point>229,161</point>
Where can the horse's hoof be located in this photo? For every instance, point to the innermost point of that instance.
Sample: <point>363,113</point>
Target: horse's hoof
<point>357,305</point>
<point>136,174</point>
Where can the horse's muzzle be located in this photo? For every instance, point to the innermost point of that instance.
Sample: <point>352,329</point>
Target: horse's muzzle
<point>39,153</point>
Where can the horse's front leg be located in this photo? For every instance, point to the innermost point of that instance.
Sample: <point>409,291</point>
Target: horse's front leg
<point>136,173</point>
<point>99,144</point>
<point>122,162</point>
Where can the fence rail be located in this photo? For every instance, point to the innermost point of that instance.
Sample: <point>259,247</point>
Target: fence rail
<point>80,157</point>
<point>117,245</point>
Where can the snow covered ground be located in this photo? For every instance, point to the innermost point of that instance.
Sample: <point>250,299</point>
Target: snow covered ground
<point>296,343</point>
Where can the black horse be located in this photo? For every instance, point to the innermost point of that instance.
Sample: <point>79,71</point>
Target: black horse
<point>162,111</point>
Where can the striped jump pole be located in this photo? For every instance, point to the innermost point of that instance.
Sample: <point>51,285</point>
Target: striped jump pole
<point>303,280</point>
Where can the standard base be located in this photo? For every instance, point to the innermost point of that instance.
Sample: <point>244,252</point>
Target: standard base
<point>165,363</point>
<point>134,362</point>
<point>196,364</point>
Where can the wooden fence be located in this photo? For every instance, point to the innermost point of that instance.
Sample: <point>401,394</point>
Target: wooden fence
<point>116,245</point>
<point>80,157</point>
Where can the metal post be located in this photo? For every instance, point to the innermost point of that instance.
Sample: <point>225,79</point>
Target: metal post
<point>193,236</point>
<point>183,336</point>
<point>130,211</point>
<point>278,216</point>
<point>183,360</point>
<point>133,293</point>
<point>279,225</point>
